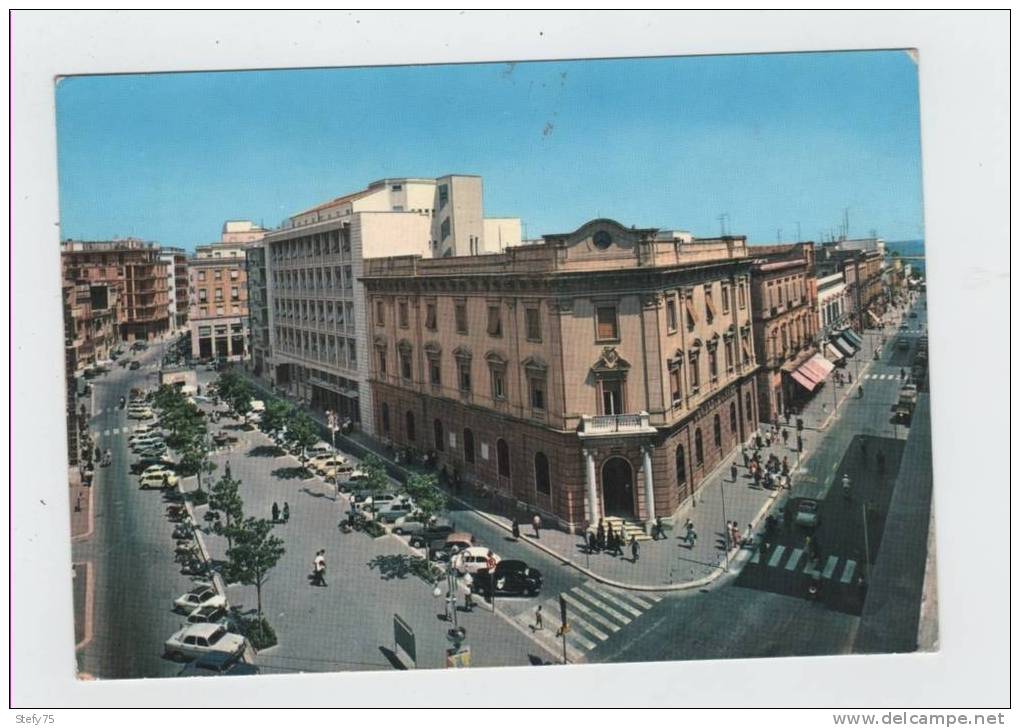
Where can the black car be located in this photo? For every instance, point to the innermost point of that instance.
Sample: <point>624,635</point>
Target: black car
<point>141,464</point>
<point>509,577</point>
<point>218,663</point>
<point>134,365</point>
<point>435,532</point>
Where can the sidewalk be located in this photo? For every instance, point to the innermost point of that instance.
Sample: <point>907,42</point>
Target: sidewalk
<point>80,499</point>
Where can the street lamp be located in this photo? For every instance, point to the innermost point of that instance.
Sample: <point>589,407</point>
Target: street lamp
<point>451,596</point>
<point>331,420</point>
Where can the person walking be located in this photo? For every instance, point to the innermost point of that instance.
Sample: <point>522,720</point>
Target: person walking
<point>286,511</point>
<point>515,528</point>
<point>635,549</point>
<point>785,469</point>
<point>747,457</point>
<point>600,535</point>
<point>226,469</point>
<point>757,440</point>
<point>321,562</point>
<point>786,435</point>
<point>593,542</point>
<point>748,534</point>
<point>658,531</point>
<point>536,523</point>
<point>689,531</point>
<point>800,444</point>
<point>276,512</point>
<point>538,619</point>
<point>611,538</point>
<point>846,485</point>
<point>733,472</point>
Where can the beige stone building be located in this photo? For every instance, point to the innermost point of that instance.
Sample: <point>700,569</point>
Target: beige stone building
<point>318,325</point>
<point>601,372</point>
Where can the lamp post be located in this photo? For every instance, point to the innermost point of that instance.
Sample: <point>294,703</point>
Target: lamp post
<point>451,596</point>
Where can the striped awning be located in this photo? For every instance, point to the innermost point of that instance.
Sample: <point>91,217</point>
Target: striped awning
<point>834,354</point>
<point>817,367</point>
<point>808,384</point>
<point>844,346</point>
<point>853,338</point>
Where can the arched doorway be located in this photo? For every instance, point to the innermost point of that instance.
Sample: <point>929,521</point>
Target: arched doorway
<point>618,488</point>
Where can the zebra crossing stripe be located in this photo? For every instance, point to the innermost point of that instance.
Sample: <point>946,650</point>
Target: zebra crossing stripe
<point>794,559</point>
<point>633,598</point>
<point>754,558</point>
<point>830,566</point>
<point>617,601</point>
<point>577,591</point>
<point>777,555</point>
<point>848,571</point>
<point>587,627</point>
<point>589,612</point>
<point>106,433</point>
<point>809,570</point>
<point>576,638</point>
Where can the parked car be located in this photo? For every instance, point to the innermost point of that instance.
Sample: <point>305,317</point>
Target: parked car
<point>158,479</point>
<point>139,346</point>
<point>213,614</point>
<point>200,596</point>
<point>213,664</point>
<point>393,510</point>
<point>145,441</point>
<point>448,547</point>
<point>472,559</point>
<point>141,414</point>
<point>806,513</point>
<point>152,451</point>
<point>141,465</point>
<point>223,437</point>
<point>321,463</point>
<point>134,365</point>
<point>196,640</point>
<point>319,448</point>
<point>421,532</point>
<point>509,577</point>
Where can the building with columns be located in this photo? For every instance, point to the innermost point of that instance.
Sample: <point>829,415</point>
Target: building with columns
<point>600,373</point>
<point>784,301</point>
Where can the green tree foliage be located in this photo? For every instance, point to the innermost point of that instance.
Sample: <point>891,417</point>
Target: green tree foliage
<point>376,479</point>
<point>428,498</point>
<point>302,431</point>
<point>278,415</point>
<point>254,553</point>
<point>195,457</point>
<point>225,498</point>
<point>236,391</point>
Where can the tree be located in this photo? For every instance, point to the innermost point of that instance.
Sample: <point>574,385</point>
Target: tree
<point>235,391</point>
<point>428,498</point>
<point>302,432</point>
<point>225,498</point>
<point>195,456</point>
<point>376,479</point>
<point>278,414</point>
<point>254,553</point>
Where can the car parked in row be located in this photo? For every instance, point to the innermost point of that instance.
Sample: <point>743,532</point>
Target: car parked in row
<point>422,532</point>
<point>157,479</point>
<point>200,596</point>
<point>196,640</point>
<point>509,577</point>
<point>213,664</point>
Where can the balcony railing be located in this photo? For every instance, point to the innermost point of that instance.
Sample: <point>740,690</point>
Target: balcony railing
<point>630,424</point>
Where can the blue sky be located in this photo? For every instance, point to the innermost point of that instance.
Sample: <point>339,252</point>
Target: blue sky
<point>770,140</point>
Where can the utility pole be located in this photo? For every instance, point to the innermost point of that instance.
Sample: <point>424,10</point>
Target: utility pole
<point>722,218</point>
<point>867,548</point>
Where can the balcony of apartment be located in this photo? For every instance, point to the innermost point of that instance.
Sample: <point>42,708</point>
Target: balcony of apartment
<point>594,426</point>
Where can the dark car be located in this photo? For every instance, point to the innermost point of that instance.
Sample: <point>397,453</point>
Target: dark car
<point>141,464</point>
<point>134,365</point>
<point>509,577</point>
<point>218,663</point>
<point>913,314</point>
<point>437,531</point>
<point>208,614</point>
<point>224,438</point>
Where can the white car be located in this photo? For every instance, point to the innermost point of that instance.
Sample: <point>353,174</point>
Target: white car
<point>321,462</point>
<point>145,443</point>
<point>167,468</point>
<point>197,640</point>
<point>155,480</point>
<point>200,596</point>
<point>145,414</point>
<point>470,560</point>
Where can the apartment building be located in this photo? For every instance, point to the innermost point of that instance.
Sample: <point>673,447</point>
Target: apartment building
<point>134,270</point>
<point>218,315</point>
<point>602,372</point>
<point>176,261</point>
<point>259,341</point>
<point>784,305</point>
<point>313,263</point>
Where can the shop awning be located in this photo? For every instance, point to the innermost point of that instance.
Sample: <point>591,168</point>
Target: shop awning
<point>844,346</point>
<point>834,354</point>
<point>817,367</point>
<point>853,337</point>
<point>808,384</point>
<point>854,346</point>
<point>874,318</point>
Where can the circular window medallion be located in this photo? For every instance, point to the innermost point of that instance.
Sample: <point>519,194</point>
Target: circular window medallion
<point>602,240</point>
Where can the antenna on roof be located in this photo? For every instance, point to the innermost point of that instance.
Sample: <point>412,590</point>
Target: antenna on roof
<point>722,218</point>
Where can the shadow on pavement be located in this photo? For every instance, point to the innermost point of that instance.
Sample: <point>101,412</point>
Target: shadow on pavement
<point>266,451</point>
<point>391,656</point>
<point>292,473</point>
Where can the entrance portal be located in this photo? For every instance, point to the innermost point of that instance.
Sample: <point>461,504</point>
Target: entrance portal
<point>618,488</point>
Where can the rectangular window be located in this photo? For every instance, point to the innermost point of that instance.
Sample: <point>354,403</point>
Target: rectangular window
<point>675,381</point>
<point>382,362</point>
<point>741,296</point>
<point>348,280</point>
<point>402,314</point>
<point>495,327</point>
<point>435,373</point>
<point>606,325</point>
<point>780,289</point>
<point>498,386</point>
<point>695,371</point>
<point>537,393</point>
<point>725,299</point>
<point>405,365</point>
<point>218,274</point>
<point>464,375</point>
<point>380,313</point>
<point>444,196</point>
<point>444,229</point>
<point>671,314</point>
<point>713,364</point>
<point>201,275</point>
<point>202,294</point>
<point>729,355</point>
<point>533,324</point>
<point>709,304</point>
<point>234,274</point>
<point>396,188</point>
<point>430,316</point>
<point>352,352</point>
<point>234,293</point>
<point>219,294</point>
<point>460,313</point>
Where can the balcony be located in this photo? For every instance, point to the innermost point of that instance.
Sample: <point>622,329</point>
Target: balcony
<point>615,425</point>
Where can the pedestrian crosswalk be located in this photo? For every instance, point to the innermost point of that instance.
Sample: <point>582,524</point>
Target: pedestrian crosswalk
<point>830,569</point>
<point>880,376</point>
<point>595,612</point>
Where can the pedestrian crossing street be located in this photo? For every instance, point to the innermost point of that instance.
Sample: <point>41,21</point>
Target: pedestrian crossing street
<point>595,612</point>
<point>790,559</point>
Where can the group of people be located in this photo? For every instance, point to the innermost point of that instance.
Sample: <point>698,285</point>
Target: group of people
<point>734,537</point>
<point>605,538</point>
<point>277,513</point>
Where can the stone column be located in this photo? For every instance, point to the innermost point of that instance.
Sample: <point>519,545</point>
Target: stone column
<point>646,451</point>
<point>593,500</point>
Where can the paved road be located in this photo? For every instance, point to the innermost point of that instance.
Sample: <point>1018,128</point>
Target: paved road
<point>131,551</point>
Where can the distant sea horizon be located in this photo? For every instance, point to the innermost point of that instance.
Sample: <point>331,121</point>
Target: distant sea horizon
<point>907,248</point>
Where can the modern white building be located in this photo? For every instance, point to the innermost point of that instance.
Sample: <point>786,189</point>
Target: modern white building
<point>834,306</point>
<point>318,328</point>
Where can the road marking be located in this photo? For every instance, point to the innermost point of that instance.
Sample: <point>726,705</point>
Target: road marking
<point>589,612</point>
<point>777,555</point>
<point>106,433</point>
<point>794,559</point>
<point>633,598</point>
<point>830,566</point>
<point>615,600</point>
<point>588,627</point>
<point>809,570</point>
<point>848,571</point>
<point>579,592</point>
<point>754,559</point>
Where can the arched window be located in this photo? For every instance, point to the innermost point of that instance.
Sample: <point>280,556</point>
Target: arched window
<point>699,451</point>
<point>681,465</point>
<point>503,458</point>
<point>733,418</point>
<point>437,432</point>
<point>409,425</point>
<point>469,446</point>
<point>542,484</point>
<point>717,431</point>
<point>747,407</point>
<point>385,418</point>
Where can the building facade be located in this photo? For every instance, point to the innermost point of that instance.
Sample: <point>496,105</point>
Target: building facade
<point>218,315</point>
<point>134,270</point>
<point>603,372</point>
<point>176,261</point>
<point>316,307</point>
<point>259,342</point>
<point>784,303</point>
<point>70,384</point>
